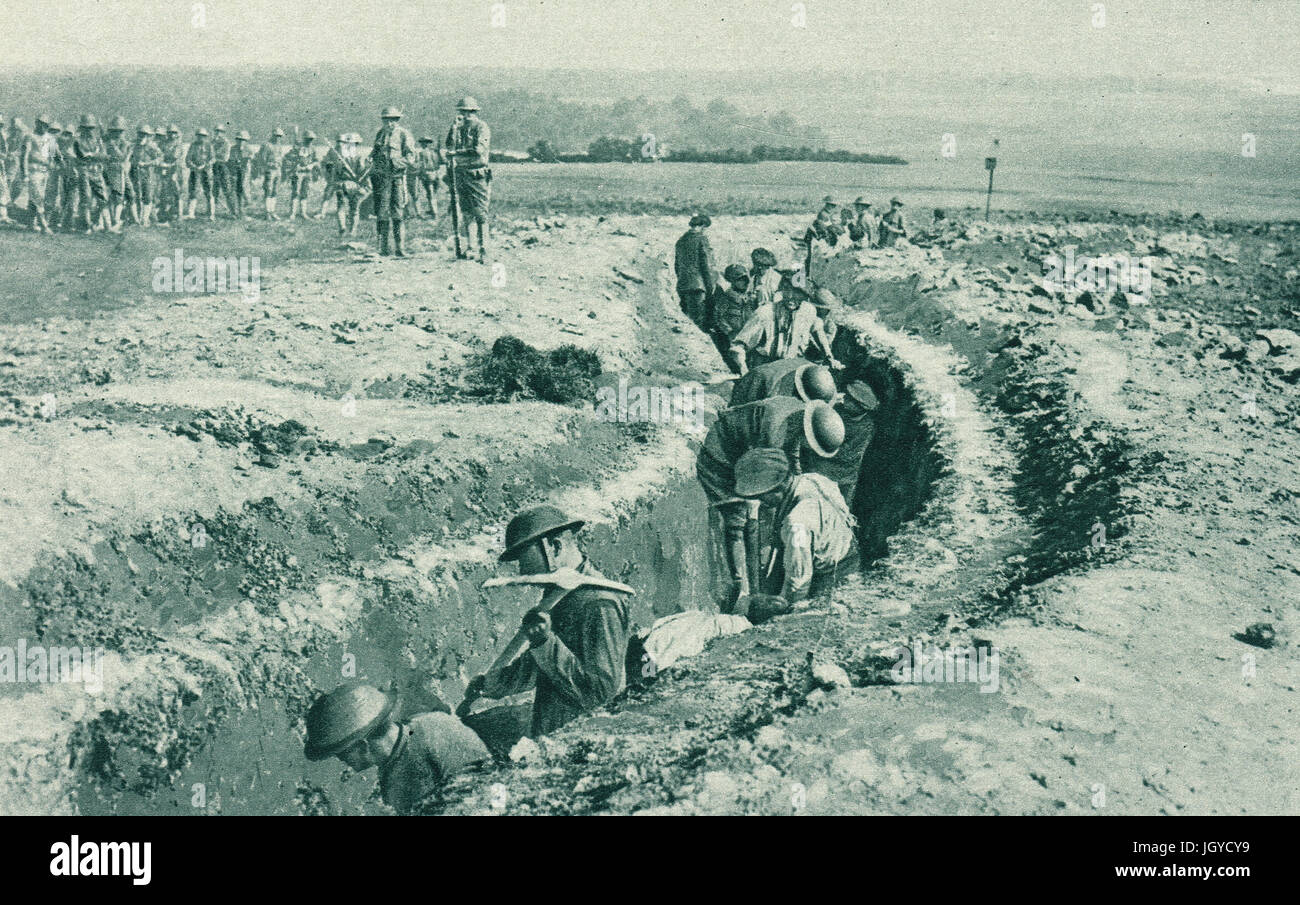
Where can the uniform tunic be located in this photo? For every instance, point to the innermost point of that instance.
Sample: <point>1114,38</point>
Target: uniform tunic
<point>199,161</point>
<point>270,158</point>
<point>582,666</point>
<point>696,276</point>
<point>90,154</point>
<point>394,152</point>
<point>776,422</point>
<point>776,378</point>
<point>118,165</point>
<point>40,156</point>
<point>431,747</point>
<point>775,332</point>
<point>144,170</point>
<point>473,175</point>
<point>299,167</point>
<point>763,286</point>
<point>815,529</point>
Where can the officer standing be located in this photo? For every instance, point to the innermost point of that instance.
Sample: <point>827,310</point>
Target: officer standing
<point>91,157</point>
<point>69,184</point>
<point>146,158</point>
<point>239,175</point>
<point>892,227</point>
<point>300,166</point>
<point>696,277</point>
<point>171,202</point>
<point>199,161</point>
<point>221,145</point>
<point>39,158</point>
<point>430,172</point>
<point>393,154</point>
<point>116,172</point>
<point>270,160</point>
<point>469,148</point>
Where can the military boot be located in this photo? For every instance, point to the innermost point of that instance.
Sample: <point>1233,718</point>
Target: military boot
<point>383,236</point>
<point>398,236</point>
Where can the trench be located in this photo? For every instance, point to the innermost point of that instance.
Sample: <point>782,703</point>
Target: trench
<point>234,746</point>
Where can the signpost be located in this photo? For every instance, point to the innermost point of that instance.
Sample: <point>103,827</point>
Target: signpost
<point>989,164</point>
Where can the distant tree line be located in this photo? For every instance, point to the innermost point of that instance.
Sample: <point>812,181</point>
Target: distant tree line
<point>608,149</point>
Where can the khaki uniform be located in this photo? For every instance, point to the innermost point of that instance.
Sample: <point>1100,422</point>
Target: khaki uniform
<point>300,166</point>
<point>473,173</point>
<point>199,162</point>
<point>146,160</point>
<point>817,545</point>
<point>270,161</point>
<point>431,748</point>
<point>221,146</point>
<point>393,154</point>
<point>39,161</point>
<point>582,666</point>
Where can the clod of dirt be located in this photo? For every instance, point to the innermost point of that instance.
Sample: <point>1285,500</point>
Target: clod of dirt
<point>513,369</point>
<point>1259,634</point>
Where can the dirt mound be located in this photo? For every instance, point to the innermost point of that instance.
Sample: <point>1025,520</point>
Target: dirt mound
<point>513,369</point>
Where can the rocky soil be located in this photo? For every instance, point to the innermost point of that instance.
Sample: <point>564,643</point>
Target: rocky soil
<point>228,494</point>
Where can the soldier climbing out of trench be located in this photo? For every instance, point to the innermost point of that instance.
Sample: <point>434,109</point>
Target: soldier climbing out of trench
<point>356,723</point>
<point>572,646</point>
<point>800,429</point>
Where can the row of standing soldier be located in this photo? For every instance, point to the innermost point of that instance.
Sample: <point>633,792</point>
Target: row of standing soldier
<point>94,179</point>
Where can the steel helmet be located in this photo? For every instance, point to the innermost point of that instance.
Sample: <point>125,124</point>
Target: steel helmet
<point>309,136</point>
<point>203,132</point>
<point>118,124</point>
<point>823,429</point>
<point>219,127</point>
<point>173,129</point>
<point>42,119</point>
<point>243,135</point>
<point>534,524</point>
<point>390,113</point>
<point>761,471</point>
<point>88,121</point>
<point>467,103</point>
<point>343,717</point>
<point>814,382</point>
<point>861,394</point>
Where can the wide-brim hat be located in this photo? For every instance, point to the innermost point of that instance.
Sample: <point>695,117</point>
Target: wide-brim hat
<point>861,393</point>
<point>390,113</point>
<point>344,717</point>
<point>861,201</point>
<point>467,103</point>
<point>277,132</point>
<point>534,524</point>
<point>761,471</point>
<point>243,136</point>
<point>896,201</point>
<point>814,382</point>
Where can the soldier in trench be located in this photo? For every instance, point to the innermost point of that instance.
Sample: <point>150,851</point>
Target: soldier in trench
<point>357,724</point>
<point>572,646</point>
<point>801,429</point>
<point>815,544</point>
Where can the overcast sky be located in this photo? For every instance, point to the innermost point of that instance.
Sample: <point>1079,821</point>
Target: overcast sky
<point>1238,40</point>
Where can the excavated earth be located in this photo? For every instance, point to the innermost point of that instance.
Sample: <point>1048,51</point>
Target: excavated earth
<point>244,501</point>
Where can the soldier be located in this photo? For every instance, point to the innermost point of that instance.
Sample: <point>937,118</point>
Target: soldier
<point>170,175</point>
<point>116,170</point>
<point>857,409</point>
<point>782,329</point>
<point>732,308</point>
<point>239,176</point>
<point>862,228</point>
<point>430,172</point>
<point>199,162</point>
<point>696,278</point>
<point>572,646</point>
<point>13,149</point>
<point>300,167</point>
<point>785,377</point>
<point>469,149</point>
<point>146,160</point>
<point>892,227</point>
<point>764,278</point>
<point>270,160</point>
<point>815,545</point>
<point>356,723</point>
<point>39,160</point>
<point>69,184</point>
<point>4,173</point>
<point>784,422</point>
<point>391,157</point>
<point>91,156</point>
<point>221,146</point>
<point>345,170</point>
